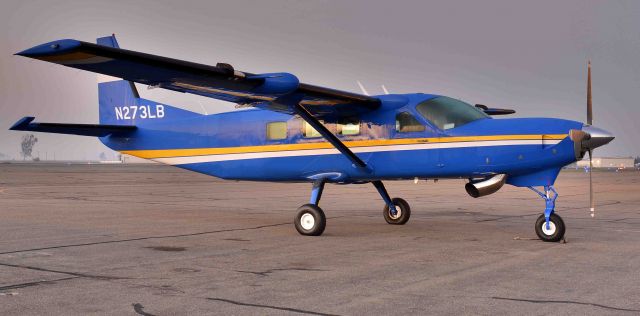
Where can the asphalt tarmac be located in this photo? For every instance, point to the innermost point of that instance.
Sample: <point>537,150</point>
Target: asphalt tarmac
<point>157,240</point>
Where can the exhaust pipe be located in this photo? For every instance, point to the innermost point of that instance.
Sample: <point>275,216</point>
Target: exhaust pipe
<point>486,187</point>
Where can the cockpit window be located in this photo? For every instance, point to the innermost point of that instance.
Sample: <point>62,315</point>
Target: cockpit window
<point>447,113</point>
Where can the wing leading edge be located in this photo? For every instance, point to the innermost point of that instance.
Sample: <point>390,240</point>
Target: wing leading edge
<point>221,82</point>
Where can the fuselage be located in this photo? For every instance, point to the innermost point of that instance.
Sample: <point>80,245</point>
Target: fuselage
<point>263,145</point>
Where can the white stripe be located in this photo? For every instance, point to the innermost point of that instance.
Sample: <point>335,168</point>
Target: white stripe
<point>104,78</point>
<point>333,151</point>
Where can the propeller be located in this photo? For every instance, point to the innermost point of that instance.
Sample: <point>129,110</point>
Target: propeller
<point>592,206</point>
<point>589,138</point>
<point>589,106</point>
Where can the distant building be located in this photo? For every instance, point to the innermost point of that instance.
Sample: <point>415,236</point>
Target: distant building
<point>608,162</point>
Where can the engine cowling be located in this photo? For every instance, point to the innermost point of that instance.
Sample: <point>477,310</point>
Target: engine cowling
<point>487,186</point>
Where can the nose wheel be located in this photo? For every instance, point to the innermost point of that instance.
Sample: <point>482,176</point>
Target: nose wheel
<point>552,231</point>
<point>549,226</point>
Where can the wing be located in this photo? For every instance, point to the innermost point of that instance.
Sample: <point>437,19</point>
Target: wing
<point>221,82</point>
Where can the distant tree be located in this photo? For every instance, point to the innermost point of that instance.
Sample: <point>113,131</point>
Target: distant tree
<point>103,156</point>
<point>28,141</point>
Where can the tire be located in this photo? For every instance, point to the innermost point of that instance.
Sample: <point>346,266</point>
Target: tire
<point>310,220</point>
<point>557,228</point>
<point>403,209</point>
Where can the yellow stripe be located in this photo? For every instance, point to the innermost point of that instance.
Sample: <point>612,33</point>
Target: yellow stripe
<point>165,153</point>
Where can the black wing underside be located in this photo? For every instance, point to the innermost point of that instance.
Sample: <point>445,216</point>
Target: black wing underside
<point>221,82</point>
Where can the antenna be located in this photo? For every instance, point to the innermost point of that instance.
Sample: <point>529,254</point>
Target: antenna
<point>385,89</point>
<point>364,91</point>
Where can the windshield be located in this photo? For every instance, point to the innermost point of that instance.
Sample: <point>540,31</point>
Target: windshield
<point>447,113</point>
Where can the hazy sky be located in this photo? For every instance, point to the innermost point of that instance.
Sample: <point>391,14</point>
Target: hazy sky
<point>526,55</point>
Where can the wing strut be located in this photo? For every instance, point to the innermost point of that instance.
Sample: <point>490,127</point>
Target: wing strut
<point>318,126</point>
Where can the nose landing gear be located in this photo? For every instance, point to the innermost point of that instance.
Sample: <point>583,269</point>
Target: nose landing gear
<point>549,226</point>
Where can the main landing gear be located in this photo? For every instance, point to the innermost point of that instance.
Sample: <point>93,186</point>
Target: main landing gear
<point>549,226</point>
<point>311,221</point>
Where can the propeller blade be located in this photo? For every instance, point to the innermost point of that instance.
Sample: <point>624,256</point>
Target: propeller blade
<point>589,107</point>
<point>591,201</point>
<point>385,89</point>
<point>364,91</point>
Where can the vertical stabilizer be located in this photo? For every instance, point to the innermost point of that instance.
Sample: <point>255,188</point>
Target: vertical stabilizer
<point>120,102</point>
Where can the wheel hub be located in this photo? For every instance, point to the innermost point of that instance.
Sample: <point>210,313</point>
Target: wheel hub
<point>398,213</point>
<point>307,221</point>
<point>551,230</point>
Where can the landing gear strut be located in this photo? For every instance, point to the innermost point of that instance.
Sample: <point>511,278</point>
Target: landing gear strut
<point>311,221</point>
<point>396,211</point>
<point>549,226</point>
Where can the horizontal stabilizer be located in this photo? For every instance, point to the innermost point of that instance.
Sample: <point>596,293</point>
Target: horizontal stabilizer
<point>98,130</point>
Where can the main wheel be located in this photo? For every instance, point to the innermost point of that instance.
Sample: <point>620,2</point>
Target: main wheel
<point>556,229</point>
<point>310,220</point>
<point>403,214</point>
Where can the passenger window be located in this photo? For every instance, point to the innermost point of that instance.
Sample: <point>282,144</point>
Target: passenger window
<point>348,127</point>
<point>276,130</point>
<point>308,131</point>
<point>405,122</point>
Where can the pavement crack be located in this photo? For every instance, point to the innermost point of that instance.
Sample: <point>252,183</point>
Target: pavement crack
<point>139,309</point>
<point>267,272</point>
<point>564,302</point>
<point>287,309</point>
<point>36,283</point>
<point>76,274</point>
<point>145,238</point>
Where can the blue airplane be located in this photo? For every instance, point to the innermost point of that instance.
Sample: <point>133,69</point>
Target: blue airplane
<point>297,132</point>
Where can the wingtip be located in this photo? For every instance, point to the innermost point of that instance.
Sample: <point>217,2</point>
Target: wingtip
<point>22,123</point>
<point>51,48</point>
